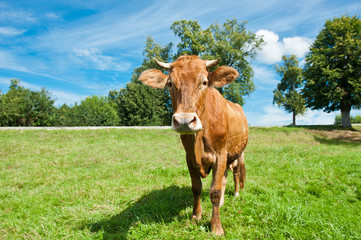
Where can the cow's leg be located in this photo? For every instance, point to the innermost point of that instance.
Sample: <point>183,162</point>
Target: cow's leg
<point>224,183</point>
<point>196,189</point>
<point>216,193</point>
<point>239,175</point>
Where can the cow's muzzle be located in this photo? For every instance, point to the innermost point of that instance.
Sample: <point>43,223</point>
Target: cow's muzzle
<point>186,123</point>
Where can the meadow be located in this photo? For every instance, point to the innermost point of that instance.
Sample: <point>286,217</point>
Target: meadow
<point>302,183</point>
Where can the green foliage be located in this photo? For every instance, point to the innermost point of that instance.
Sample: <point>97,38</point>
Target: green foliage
<point>93,111</point>
<point>153,50</point>
<point>333,67</point>
<point>236,46</point>
<point>355,119</point>
<point>63,116</point>
<point>231,43</point>
<point>134,184</point>
<point>96,111</point>
<point>23,107</point>
<point>193,40</point>
<point>140,105</point>
<point>287,94</point>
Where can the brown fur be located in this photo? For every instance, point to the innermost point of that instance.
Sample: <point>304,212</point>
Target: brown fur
<point>224,136</point>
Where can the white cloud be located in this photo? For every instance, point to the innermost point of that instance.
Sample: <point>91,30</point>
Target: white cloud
<point>9,31</point>
<point>9,14</point>
<point>297,45</point>
<point>93,58</point>
<point>10,61</point>
<point>52,16</point>
<point>264,76</point>
<point>317,117</point>
<point>68,98</point>
<point>274,49</point>
<point>272,115</point>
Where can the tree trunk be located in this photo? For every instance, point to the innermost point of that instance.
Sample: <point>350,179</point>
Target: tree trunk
<point>294,118</point>
<point>346,120</point>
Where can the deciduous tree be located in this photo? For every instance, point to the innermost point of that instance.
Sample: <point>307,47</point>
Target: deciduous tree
<point>24,107</point>
<point>230,42</point>
<point>287,94</point>
<point>141,105</point>
<point>95,111</point>
<point>236,47</point>
<point>333,68</point>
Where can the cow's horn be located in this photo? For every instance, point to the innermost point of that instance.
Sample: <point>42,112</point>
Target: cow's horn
<point>162,64</point>
<point>212,63</point>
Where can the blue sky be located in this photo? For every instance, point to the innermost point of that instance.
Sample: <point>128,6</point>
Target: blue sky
<point>78,48</point>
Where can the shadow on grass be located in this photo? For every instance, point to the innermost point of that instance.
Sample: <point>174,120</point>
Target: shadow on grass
<point>335,135</point>
<point>343,140</point>
<point>158,206</point>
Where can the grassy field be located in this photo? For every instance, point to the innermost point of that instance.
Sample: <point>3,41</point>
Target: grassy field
<point>302,183</point>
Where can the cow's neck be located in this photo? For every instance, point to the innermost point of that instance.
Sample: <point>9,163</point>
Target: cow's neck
<point>205,145</point>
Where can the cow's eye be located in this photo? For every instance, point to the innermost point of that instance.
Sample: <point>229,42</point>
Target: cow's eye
<point>205,83</point>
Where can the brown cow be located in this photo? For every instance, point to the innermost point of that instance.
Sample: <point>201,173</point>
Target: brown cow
<point>213,130</point>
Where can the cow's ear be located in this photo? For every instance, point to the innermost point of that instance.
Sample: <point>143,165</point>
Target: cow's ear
<point>154,78</point>
<point>223,76</point>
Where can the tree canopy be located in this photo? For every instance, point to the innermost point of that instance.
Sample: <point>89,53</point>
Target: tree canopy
<point>230,42</point>
<point>193,39</point>
<point>141,105</point>
<point>23,107</point>
<point>287,94</point>
<point>333,68</point>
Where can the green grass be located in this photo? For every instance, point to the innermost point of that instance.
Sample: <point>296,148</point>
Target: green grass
<point>302,183</point>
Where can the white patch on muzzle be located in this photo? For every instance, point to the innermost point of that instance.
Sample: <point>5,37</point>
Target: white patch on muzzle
<point>186,123</point>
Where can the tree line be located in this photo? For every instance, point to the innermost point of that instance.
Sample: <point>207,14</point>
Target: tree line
<point>330,79</point>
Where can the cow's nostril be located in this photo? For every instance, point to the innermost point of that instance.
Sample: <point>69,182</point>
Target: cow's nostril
<point>193,120</point>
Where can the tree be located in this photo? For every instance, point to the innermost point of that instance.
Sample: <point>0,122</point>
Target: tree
<point>193,40</point>
<point>63,116</point>
<point>236,46</point>
<point>152,50</point>
<point>333,68</point>
<point>94,111</point>
<point>287,93</point>
<point>23,107</point>
<point>141,105</point>
<point>231,42</point>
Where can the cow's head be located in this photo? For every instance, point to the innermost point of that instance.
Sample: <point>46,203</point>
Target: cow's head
<point>188,82</point>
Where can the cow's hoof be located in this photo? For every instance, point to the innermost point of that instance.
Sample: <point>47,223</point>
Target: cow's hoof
<point>236,194</point>
<point>218,231</point>
<point>197,217</point>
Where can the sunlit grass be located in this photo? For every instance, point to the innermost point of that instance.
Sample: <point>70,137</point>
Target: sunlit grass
<point>113,184</point>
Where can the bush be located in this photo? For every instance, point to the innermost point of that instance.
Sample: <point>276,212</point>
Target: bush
<point>93,111</point>
<point>356,119</point>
